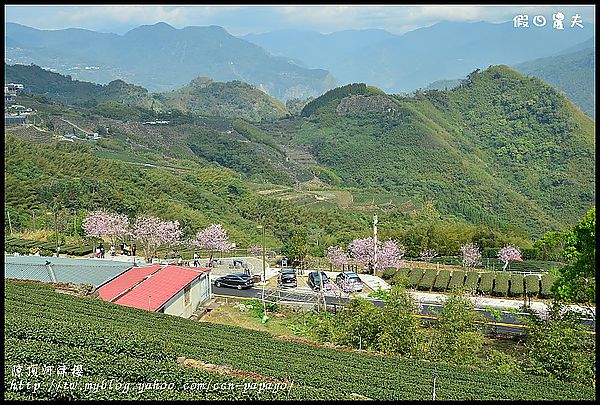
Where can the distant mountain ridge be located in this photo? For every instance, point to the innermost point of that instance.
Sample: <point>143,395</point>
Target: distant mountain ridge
<point>160,57</point>
<point>404,63</point>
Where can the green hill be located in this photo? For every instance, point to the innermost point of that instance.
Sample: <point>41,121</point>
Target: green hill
<point>134,346</point>
<point>500,148</point>
<point>68,91</point>
<point>232,99</point>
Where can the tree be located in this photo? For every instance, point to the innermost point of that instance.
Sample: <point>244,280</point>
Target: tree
<point>152,233</point>
<point>428,254</point>
<point>402,332</point>
<point>212,238</point>
<point>101,223</point>
<point>457,336</point>
<point>296,246</point>
<point>389,253</point>
<point>336,256</point>
<point>508,253</point>
<point>471,255</point>
<point>577,281</point>
<point>558,346</point>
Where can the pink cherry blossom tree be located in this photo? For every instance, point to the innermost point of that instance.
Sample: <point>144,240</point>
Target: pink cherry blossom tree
<point>213,238</point>
<point>101,224</point>
<point>471,255</point>
<point>336,256</point>
<point>389,253</point>
<point>428,254</point>
<point>508,253</point>
<point>152,233</point>
<point>255,250</point>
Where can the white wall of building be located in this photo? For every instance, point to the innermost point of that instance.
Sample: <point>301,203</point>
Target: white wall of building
<point>199,293</point>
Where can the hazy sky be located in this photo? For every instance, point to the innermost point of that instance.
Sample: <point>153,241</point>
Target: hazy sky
<point>240,20</point>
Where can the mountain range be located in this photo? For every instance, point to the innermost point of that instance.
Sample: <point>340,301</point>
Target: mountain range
<point>288,64</point>
<point>160,57</point>
<point>404,63</point>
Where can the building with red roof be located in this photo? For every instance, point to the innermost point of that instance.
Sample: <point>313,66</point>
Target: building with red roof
<point>170,289</point>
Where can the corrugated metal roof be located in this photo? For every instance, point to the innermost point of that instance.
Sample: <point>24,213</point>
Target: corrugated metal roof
<point>66,270</point>
<point>125,281</point>
<point>160,287</point>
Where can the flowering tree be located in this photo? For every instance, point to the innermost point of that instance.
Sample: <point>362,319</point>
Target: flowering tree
<point>428,254</point>
<point>471,255</point>
<point>102,224</point>
<point>508,253</point>
<point>213,238</point>
<point>337,256</point>
<point>255,250</point>
<point>152,233</point>
<point>389,253</point>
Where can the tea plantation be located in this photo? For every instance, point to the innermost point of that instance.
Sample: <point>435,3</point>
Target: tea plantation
<point>114,343</point>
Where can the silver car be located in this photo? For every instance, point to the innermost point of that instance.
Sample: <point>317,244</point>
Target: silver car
<point>349,281</point>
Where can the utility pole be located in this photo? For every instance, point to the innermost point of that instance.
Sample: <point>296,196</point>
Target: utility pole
<point>434,378</point>
<point>374,242</point>
<point>264,276</point>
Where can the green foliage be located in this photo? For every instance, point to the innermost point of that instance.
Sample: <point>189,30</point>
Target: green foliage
<point>428,279</point>
<point>516,284</point>
<point>532,284</point>
<point>505,142</point>
<point>486,282</point>
<point>414,277</point>
<point>254,134</point>
<point>295,247</point>
<point>503,363</point>
<point>550,246</point>
<point>457,336</point>
<point>457,279</point>
<point>402,277</point>
<point>233,99</point>
<point>577,282</point>
<point>335,94</point>
<point>561,347</point>
<point>501,283</point>
<point>471,281</point>
<point>547,283</point>
<point>441,282</point>
<point>573,73</point>
<point>132,345</point>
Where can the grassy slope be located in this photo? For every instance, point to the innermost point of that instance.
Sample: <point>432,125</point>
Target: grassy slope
<point>135,345</point>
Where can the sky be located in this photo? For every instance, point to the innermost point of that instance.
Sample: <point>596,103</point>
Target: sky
<point>241,20</point>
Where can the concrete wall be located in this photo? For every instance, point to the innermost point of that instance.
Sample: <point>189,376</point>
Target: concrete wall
<point>199,293</point>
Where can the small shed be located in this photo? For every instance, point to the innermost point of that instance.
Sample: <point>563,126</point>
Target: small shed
<point>173,290</point>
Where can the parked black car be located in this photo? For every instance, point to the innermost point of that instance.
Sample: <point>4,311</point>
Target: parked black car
<point>314,282</point>
<point>287,278</point>
<point>349,281</point>
<point>235,280</point>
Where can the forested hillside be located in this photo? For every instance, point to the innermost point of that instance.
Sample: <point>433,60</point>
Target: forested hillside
<point>501,148</point>
<point>499,152</point>
<point>66,90</point>
<point>573,73</point>
<point>232,99</point>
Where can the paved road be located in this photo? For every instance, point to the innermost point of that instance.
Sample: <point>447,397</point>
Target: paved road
<point>510,324</point>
